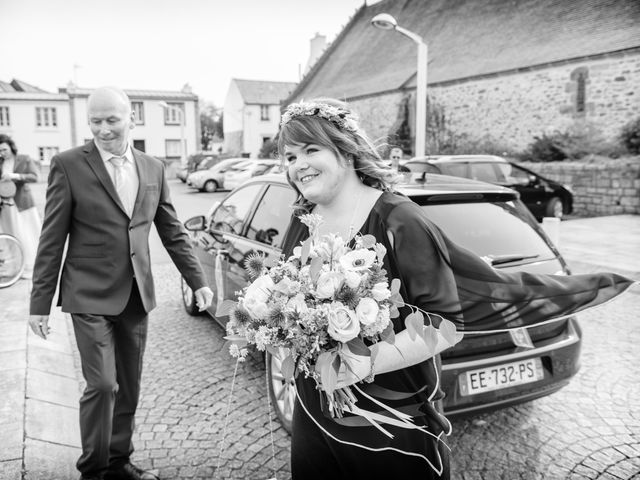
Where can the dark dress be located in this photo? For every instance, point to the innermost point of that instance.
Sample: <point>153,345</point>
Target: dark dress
<point>439,277</point>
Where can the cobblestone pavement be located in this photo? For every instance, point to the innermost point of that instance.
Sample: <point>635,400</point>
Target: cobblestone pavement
<point>589,429</point>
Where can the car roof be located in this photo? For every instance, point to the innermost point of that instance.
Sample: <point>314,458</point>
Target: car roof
<point>435,184</point>
<point>435,159</point>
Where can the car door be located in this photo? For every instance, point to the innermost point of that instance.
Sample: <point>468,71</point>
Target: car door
<point>532,191</point>
<point>225,229</point>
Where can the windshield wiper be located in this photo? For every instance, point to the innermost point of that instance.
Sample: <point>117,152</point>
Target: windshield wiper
<point>508,258</point>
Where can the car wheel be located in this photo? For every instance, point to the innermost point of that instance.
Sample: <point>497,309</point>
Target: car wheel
<point>555,208</point>
<point>189,299</point>
<point>210,186</point>
<point>281,391</point>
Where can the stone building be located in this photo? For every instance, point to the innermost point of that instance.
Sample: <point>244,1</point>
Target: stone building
<point>502,71</point>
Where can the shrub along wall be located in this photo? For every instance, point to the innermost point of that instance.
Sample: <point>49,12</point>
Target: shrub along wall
<point>601,186</point>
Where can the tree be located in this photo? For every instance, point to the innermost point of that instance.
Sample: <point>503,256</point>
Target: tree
<point>210,124</point>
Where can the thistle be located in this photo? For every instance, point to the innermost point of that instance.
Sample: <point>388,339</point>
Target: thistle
<point>240,317</point>
<point>254,265</point>
<point>349,297</point>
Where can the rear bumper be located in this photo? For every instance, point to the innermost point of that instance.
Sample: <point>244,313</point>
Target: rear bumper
<point>560,361</point>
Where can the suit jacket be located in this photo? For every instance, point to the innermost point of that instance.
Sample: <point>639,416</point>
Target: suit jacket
<point>28,170</point>
<point>105,247</point>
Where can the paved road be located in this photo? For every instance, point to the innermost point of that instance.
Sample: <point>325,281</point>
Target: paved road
<point>590,429</point>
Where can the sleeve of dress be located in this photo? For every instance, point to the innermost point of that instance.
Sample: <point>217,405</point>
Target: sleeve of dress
<point>487,299</point>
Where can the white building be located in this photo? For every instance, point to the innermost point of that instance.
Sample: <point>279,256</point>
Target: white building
<point>43,124</point>
<point>252,114</point>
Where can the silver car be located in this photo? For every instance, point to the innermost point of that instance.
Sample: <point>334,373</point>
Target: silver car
<point>212,179</point>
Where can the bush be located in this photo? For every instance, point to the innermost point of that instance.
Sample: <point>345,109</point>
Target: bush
<point>630,136</point>
<point>580,140</point>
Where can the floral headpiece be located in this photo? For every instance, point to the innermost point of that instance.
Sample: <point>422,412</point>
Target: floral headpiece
<point>344,119</point>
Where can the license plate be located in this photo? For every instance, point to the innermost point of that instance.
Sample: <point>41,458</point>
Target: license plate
<point>500,376</point>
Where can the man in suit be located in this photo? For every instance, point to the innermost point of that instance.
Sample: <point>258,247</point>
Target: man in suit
<point>102,198</point>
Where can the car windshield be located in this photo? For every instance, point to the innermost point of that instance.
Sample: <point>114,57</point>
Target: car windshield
<point>493,230</point>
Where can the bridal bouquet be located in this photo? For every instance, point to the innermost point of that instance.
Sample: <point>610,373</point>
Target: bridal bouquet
<point>324,305</point>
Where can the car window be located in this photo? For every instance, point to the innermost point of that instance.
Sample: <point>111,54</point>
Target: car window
<point>231,213</point>
<point>270,221</point>
<point>490,229</point>
<point>485,172</point>
<point>455,169</point>
<point>513,174</point>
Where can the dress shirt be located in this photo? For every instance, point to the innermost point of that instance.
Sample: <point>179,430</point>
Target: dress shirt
<point>129,169</point>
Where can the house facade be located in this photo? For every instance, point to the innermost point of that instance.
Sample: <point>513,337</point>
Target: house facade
<point>498,70</point>
<point>252,114</point>
<point>43,124</point>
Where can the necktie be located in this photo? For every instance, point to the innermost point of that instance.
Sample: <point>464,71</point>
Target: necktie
<point>123,184</point>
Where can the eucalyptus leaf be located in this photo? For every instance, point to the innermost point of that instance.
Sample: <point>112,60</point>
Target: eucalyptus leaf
<point>414,323</point>
<point>430,337</point>
<point>358,347</point>
<point>395,286</point>
<point>388,335</point>
<point>328,376</point>
<point>368,241</point>
<point>448,331</point>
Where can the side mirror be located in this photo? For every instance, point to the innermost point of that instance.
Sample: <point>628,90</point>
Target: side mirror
<point>195,224</point>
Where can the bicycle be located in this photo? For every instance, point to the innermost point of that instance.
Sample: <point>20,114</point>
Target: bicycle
<point>11,253</point>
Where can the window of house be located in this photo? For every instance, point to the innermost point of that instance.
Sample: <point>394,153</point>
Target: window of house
<point>46,117</point>
<point>4,117</point>
<point>138,112</point>
<point>173,148</point>
<point>580,92</point>
<point>46,153</point>
<point>264,112</point>
<point>579,78</point>
<point>173,114</point>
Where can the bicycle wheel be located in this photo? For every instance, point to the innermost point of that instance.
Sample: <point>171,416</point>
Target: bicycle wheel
<point>11,260</point>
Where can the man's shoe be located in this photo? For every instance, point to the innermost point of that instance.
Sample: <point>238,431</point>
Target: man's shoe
<point>129,471</point>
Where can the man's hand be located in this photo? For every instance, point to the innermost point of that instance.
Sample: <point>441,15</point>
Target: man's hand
<point>40,325</point>
<point>204,297</point>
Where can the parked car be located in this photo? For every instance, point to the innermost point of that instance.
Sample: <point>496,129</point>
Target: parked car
<point>487,219</point>
<point>543,196</point>
<point>197,161</point>
<point>212,178</point>
<point>243,171</point>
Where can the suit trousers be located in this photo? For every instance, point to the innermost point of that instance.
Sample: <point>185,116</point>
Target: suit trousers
<point>111,350</point>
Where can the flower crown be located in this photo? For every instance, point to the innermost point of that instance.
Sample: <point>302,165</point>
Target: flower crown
<point>341,117</point>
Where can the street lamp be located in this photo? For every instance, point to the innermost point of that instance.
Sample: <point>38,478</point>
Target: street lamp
<point>385,21</point>
<point>183,143</point>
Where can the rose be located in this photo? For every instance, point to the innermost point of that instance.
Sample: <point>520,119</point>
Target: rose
<point>352,279</point>
<point>367,310</point>
<point>343,324</point>
<point>256,296</point>
<point>380,291</point>
<point>357,260</point>
<point>328,284</point>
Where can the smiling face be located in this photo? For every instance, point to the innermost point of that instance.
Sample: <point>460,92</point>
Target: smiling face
<point>316,171</point>
<point>110,119</point>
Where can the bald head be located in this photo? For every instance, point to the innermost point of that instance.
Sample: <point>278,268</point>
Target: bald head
<point>110,119</point>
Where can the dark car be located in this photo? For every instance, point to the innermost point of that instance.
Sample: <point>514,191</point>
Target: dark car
<point>482,371</point>
<point>543,196</point>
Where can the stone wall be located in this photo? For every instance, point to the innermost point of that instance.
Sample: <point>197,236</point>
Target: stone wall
<point>512,107</point>
<point>601,187</point>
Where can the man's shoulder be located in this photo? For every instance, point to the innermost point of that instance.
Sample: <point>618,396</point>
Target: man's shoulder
<point>148,158</point>
<point>75,152</point>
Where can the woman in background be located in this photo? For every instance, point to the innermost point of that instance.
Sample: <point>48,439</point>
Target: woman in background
<point>21,170</point>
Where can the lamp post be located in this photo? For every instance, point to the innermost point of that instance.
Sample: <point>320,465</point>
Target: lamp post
<point>385,21</point>
<point>183,142</point>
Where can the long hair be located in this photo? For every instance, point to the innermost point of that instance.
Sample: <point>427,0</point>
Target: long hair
<point>350,145</point>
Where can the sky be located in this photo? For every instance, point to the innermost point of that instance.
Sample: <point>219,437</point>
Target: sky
<point>163,44</point>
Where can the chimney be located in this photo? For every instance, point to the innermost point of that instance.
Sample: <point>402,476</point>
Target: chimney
<point>317,44</point>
